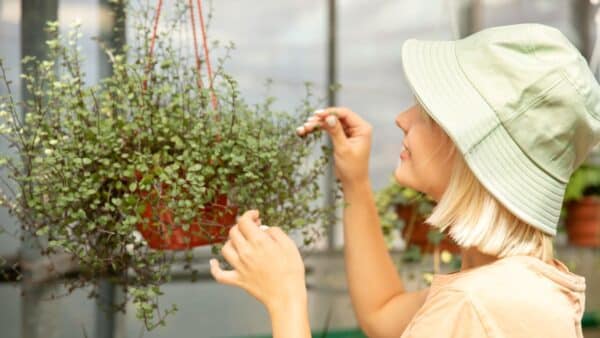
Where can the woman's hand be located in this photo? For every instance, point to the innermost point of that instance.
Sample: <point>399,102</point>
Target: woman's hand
<point>351,138</point>
<point>267,264</point>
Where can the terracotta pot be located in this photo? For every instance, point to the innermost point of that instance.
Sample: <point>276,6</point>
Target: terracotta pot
<point>583,221</point>
<point>418,235</point>
<point>165,235</point>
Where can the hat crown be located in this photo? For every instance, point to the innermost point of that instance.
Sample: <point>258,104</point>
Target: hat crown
<point>540,87</point>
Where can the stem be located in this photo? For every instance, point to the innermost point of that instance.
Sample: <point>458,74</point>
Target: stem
<point>13,112</point>
<point>436,258</point>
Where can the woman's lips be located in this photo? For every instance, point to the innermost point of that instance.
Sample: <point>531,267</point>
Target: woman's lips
<point>405,153</point>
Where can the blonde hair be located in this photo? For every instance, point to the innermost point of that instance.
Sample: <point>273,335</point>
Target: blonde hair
<point>475,218</point>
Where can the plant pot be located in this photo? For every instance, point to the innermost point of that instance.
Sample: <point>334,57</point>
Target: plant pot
<point>419,230</point>
<point>583,221</point>
<point>165,235</point>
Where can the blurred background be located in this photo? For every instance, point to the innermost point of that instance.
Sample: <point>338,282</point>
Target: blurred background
<point>355,43</point>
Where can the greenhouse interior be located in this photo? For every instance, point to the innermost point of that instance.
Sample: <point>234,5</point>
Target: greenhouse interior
<point>122,119</point>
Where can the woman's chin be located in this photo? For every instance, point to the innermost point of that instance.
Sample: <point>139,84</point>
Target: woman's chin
<point>400,175</point>
<point>403,176</point>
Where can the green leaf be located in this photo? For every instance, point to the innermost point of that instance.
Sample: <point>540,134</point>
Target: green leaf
<point>42,231</point>
<point>195,167</point>
<point>435,236</point>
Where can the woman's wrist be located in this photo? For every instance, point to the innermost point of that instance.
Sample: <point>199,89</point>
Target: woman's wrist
<point>294,299</point>
<point>289,316</point>
<point>356,187</point>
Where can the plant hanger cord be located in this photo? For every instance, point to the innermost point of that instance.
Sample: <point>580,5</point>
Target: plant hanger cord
<point>152,41</point>
<point>206,54</point>
<point>196,51</point>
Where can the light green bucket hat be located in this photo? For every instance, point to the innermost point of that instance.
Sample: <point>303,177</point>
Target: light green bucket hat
<point>521,105</point>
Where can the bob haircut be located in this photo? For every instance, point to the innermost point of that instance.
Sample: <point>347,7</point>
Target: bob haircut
<point>473,217</point>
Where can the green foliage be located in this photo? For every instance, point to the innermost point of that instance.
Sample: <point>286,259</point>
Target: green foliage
<point>435,236</point>
<point>584,181</point>
<point>91,157</point>
<point>387,200</point>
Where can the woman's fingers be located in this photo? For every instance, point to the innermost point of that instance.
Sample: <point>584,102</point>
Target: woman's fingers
<point>270,269</point>
<point>229,277</point>
<point>237,239</point>
<point>231,255</point>
<point>278,235</point>
<point>313,123</point>
<point>350,120</point>
<point>248,225</point>
<point>336,131</point>
<point>351,138</point>
<point>352,124</point>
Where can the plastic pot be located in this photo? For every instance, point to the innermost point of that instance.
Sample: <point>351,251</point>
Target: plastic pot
<point>212,225</point>
<point>419,230</point>
<point>583,221</point>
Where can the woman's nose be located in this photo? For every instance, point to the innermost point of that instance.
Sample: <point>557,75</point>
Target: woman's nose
<point>400,122</point>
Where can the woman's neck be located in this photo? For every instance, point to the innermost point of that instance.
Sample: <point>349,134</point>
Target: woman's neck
<point>472,257</point>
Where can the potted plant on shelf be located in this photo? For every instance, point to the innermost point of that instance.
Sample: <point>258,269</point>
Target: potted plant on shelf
<point>405,209</point>
<point>582,204</point>
<point>150,150</point>
<point>402,212</point>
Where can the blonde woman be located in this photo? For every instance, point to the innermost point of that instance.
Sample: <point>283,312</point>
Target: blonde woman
<point>501,120</point>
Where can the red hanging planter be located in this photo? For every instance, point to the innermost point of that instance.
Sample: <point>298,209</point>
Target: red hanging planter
<point>216,217</point>
<point>159,230</point>
<point>165,235</point>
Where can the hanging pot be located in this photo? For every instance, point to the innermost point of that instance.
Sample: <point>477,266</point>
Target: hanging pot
<point>215,218</point>
<point>212,226</point>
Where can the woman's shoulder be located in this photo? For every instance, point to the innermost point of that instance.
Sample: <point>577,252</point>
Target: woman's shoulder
<point>495,298</point>
<point>519,270</point>
<point>515,284</point>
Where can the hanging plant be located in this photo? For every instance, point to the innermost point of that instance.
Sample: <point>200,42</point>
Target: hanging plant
<point>157,148</point>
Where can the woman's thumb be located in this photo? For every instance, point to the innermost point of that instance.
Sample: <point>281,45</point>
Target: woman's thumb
<point>335,130</point>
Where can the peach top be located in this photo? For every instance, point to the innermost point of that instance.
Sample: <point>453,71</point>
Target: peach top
<point>516,296</point>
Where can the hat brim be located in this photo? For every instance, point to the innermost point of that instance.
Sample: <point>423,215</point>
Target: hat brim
<point>441,87</point>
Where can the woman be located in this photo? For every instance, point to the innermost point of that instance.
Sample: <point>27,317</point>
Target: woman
<point>502,119</point>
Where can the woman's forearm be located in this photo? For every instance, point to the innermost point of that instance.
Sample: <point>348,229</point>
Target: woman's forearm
<point>289,319</point>
<point>372,276</point>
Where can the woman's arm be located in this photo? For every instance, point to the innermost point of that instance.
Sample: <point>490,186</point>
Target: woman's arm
<point>290,319</point>
<point>382,305</point>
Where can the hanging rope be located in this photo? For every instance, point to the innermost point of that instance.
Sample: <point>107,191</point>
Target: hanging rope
<point>210,79</point>
<point>196,53</point>
<point>196,50</point>
<point>152,41</point>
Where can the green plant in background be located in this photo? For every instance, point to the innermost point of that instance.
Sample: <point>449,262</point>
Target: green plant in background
<point>585,181</point>
<point>387,200</point>
<point>91,158</point>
